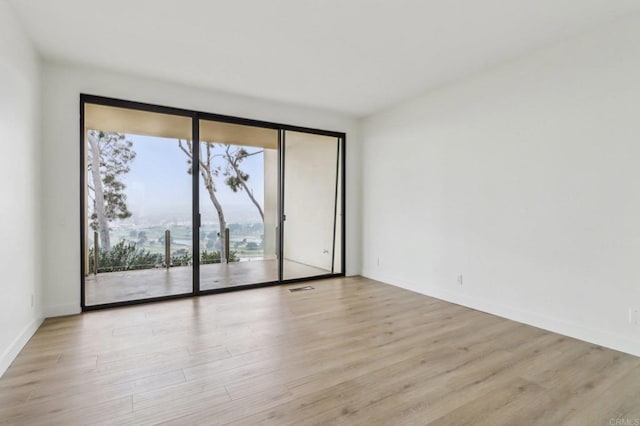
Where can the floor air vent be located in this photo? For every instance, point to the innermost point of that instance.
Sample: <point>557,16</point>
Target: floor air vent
<point>293,290</point>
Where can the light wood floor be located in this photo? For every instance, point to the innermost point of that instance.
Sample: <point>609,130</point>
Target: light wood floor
<point>352,351</point>
<point>111,287</point>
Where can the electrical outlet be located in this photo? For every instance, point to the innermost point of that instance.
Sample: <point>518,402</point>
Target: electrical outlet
<point>634,316</point>
<point>460,279</point>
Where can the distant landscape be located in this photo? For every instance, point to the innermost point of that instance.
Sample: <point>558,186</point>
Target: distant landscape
<point>139,187</point>
<point>245,239</point>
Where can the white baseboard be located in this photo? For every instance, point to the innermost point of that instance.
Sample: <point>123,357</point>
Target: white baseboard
<point>18,343</point>
<point>61,310</point>
<point>556,325</point>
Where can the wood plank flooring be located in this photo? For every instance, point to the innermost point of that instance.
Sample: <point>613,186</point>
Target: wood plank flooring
<point>352,351</point>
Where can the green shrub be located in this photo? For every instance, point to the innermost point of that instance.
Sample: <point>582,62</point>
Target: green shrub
<point>124,257</point>
<point>181,258</point>
<point>208,257</point>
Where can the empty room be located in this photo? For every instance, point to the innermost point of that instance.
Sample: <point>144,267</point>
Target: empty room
<point>320,212</point>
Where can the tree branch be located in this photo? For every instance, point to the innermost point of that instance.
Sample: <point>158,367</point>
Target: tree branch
<point>189,153</point>
<point>233,162</point>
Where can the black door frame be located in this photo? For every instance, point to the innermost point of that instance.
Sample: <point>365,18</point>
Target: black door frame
<point>196,116</point>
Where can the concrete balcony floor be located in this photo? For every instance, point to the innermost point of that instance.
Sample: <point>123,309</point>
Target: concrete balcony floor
<point>112,287</point>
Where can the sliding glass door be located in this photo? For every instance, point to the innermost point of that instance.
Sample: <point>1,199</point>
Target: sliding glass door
<point>176,202</point>
<point>312,205</point>
<point>137,215</point>
<point>238,205</point>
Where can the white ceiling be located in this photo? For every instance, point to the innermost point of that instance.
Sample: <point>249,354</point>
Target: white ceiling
<point>352,56</point>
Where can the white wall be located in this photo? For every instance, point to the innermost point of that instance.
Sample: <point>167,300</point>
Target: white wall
<point>62,85</point>
<point>19,186</point>
<point>525,179</point>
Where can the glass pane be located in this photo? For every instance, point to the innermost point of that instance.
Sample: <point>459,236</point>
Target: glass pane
<point>312,207</point>
<point>138,230</point>
<point>238,205</point>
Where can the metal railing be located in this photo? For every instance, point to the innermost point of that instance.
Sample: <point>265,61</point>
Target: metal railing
<point>167,248</point>
<point>96,253</point>
<point>226,245</point>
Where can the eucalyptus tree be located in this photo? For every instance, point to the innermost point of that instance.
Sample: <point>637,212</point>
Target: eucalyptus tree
<point>224,161</point>
<point>109,157</point>
<point>209,171</point>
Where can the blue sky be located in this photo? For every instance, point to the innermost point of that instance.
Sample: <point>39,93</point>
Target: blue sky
<point>158,184</point>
